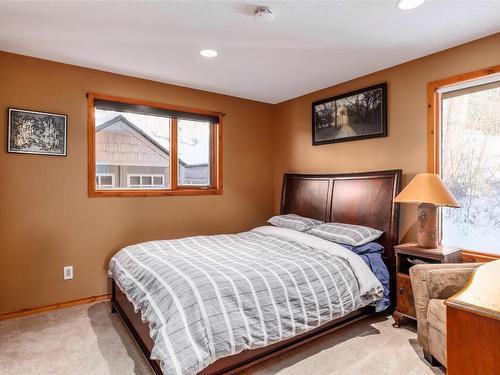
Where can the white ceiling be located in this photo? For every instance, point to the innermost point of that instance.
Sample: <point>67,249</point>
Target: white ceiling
<point>309,45</point>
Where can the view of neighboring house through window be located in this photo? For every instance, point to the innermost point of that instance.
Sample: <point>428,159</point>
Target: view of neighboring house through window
<point>146,181</point>
<point>131,144</point>
<point>470,165</point>
<point>142,148</point>
<point>104,180</point>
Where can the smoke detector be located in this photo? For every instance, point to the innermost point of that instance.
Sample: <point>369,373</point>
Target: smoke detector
<point>264,14</point>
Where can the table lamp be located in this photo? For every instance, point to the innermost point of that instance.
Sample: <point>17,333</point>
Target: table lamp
<point>429,191</point>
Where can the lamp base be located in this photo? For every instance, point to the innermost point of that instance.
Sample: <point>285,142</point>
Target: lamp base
<point>427,225</point>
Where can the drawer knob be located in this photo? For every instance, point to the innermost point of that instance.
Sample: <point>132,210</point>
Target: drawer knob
<point>401,290</point>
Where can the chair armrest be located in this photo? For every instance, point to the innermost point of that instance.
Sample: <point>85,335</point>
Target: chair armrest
<point>443,283</point>
<point>431,281</point>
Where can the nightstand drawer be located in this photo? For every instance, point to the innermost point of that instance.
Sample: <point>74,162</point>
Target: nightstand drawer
<point>405,303</point>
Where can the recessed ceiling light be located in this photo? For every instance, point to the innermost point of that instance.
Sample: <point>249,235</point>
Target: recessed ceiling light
<point>409,4</point>
<point>208,53</point>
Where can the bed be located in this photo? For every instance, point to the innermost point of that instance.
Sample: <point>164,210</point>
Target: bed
<point>262,272</point>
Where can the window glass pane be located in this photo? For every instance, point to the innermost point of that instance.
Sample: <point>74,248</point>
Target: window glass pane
<point>157,181</point>
<point>194,149</point>
<point>470,167</point>
<point>106,180</point>
<point>147,180</point>
<point>135,180</point>
<point>130,143</point>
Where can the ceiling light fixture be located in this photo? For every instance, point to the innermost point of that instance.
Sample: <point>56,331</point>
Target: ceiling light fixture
<point>264,14</point>
<point>208,53</point>
<point>409,4</point>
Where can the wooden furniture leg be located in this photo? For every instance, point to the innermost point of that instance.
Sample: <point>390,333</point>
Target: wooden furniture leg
<point>397,319</point>
<point>430,358</point>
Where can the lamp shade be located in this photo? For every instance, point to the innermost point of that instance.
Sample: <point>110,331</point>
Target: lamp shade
<point>427,188</point>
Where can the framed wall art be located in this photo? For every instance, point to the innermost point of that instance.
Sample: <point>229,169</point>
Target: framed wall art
<point>356,115</point>
<point>32,132</point>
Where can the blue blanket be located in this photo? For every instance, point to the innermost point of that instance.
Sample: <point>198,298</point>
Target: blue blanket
<point>372,255</point>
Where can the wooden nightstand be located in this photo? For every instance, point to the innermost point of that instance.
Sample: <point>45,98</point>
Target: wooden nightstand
<point>405,253</point>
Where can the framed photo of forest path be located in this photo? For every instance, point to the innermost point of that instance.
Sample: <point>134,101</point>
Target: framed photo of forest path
<point>359,114</point>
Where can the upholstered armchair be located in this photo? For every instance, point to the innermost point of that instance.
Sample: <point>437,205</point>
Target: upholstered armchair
<point>432,284</point>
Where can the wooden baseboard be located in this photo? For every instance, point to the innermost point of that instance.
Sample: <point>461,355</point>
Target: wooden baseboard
<point>55,306</point>
<point>468,256</point>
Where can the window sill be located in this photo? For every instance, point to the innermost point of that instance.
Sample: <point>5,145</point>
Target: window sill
<point>153,193</point>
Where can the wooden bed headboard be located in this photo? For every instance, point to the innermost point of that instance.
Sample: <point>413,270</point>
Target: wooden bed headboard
<point>353,198</point>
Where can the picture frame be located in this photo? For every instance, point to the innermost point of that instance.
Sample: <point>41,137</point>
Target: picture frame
<point>35,132</point>
<point>359,114</point>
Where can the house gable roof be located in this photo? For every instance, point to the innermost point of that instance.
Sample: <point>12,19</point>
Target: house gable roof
<point>123,119</point>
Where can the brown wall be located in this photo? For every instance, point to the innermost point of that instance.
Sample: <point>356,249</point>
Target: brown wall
<point>46,219</point>
<point>406,145</point>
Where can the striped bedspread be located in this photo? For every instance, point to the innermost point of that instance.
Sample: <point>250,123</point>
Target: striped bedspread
<point>209,297</point>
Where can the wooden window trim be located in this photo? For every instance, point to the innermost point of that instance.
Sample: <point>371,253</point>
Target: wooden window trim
<point>433,136</point>
<point>216,188</point>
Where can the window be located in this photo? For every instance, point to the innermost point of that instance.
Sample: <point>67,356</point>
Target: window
<point>104,180</point>
<point>468,160</point>
<point>146,181</point>
<point>193,145</point>
<point>139,148</point>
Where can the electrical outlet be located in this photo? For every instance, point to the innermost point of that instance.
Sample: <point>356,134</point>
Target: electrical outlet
<point>68,272</point>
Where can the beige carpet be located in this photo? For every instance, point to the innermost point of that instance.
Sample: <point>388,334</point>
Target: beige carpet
<point>88,339</point>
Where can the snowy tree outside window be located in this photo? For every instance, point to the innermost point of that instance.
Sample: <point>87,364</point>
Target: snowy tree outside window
<point>470,166</point>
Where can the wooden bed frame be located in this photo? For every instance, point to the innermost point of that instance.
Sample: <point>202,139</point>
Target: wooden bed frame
<point>355,198</point>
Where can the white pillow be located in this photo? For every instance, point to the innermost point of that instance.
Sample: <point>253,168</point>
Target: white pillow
<point>293,221</point>
<point>355,235</point>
